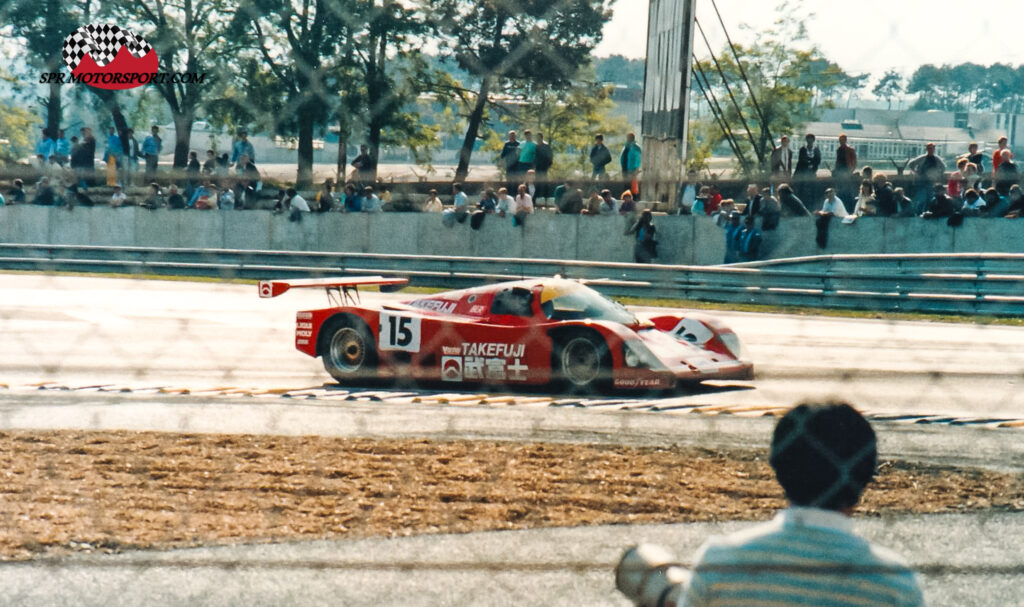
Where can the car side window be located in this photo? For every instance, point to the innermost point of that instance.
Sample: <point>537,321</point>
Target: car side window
<point>515,301</point>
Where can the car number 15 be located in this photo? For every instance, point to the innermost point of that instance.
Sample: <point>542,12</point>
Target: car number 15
<point>399,333</point>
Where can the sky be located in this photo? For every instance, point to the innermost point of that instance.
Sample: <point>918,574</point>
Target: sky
<point>869,36</point>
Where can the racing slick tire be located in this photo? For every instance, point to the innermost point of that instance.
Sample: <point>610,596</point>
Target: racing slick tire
<point>581,363</point>
<point>348,350</point>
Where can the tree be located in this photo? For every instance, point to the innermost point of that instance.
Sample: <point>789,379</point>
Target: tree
<point>889,86</point>
<point>498,41</point>
<point>44,25</point>
<point>16,130</point>
<point>620,70</point>
<point>188,36</point>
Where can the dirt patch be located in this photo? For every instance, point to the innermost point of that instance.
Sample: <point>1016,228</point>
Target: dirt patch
<point>92,491</point>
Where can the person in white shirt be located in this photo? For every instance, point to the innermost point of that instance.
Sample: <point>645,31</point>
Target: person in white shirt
<point>505,202</point>
<point>118,198</point>
<point>296,202</point>
<point>523,202</point>
<point>433,204</point>
<point>609,206</point>
<point>832,205</point>
<point>371,204</point>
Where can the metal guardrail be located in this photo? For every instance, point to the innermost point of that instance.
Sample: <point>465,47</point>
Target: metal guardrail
<point>946,283</point>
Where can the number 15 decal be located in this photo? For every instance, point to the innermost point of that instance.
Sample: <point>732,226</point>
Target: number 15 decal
<point>399,333</point>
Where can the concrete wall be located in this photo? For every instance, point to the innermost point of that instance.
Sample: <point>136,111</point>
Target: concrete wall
<point>683,240</point>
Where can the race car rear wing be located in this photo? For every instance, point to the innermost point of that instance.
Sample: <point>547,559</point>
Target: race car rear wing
<point>348,288</point>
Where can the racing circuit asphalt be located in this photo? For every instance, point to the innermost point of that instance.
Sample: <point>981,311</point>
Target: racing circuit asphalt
<point>99,353</point>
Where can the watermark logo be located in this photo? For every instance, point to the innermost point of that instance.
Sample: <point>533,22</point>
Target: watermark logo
<point>107,56</point>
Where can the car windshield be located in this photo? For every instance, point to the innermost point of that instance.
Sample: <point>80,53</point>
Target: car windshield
<point>573,301</point>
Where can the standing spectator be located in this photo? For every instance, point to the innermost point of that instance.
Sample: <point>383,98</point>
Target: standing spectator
<point>609,206</point>
<point>433,203</point>
<point>998,156</point>
<point>975,157</point>
<point>44,148</point>
<point>645,247</point>
<point>824,456</point>
<point>630,160</point>
<point>752,200</point>
<point>688,191</point>
<point>192,173</point>
<point>114,147</point>
<point>527,153</point>
<point>16,195</point>
<point>748,240</point>
<point>174,199</point>
<point>733,225</point>
<point>83,159</point>
<point>209,168</point>
<point>118,198</point>
<point>845,167</point>
<point>808,160</point>
<point>1007,174</point>
<point>523,206</point>
<point>628,206</point>
<point>510,158</point>
<point>325,197</point>
<point>600,157</point>
<point>790,203</point>
<point>223,166</point>
<point>885,198</point>
<point>545,157</point>
<point>242,147</point>
<point>62,148</point>
<point>781,160</point>
<point>771,210</point>
<point>131,163</point>
<point>930,170</point>
<point>365,167</point>
<point>151,148</point>
<point>248,184</point>
<point>701,203</point>
<point>371,203</point>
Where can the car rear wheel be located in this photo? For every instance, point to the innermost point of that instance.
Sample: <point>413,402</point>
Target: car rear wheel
<point>582,363</point>
<point>349,352</point>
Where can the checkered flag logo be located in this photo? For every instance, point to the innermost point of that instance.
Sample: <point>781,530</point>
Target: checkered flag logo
<point>101,41</point>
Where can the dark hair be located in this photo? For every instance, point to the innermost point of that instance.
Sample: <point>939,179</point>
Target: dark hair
<point>823,454</point>
<point>291,192</point>
<point>606,191</point>
<point>457,186</point>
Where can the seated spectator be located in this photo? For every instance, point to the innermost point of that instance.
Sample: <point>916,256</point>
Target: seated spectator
<point>700,203</point>
<point>210,164</point>
<point>223,165</point>
<point>789,204</point>
<point>904,205</point>
<point>2,201</point>
<point>371,203</point>
<point>957,184</point>
<point>505,202</point>
<point>523,205</point>
<point>609,206</point>
<point>45,194</point>
<point>714,199</point>
<point>16,195</point>
<point>571,202</point>
<point>76,197</point>
<point>939,206</point>
<point>748,240</point>
<point>1016,202</point>
<point>433,203</point>
<point>488,202</point>
<point>325,197</point>
<point>226,200</point>
<point>203,191</point>
<point>155,200</point>
<point>174,199</point>
<point>1007,174</point>
<point>867,204</point>
<point>725,210</point>
<point>352,202</point>
<point>593,206</point>
<point>297,205</point>
<point>628,206</point>
<point>460,201</point>
<point>771,210</point>
<point>832,206</point>
<point>885,198</point>
<point>733,225</point>
<point>995,205</point>
<point>974,206</point>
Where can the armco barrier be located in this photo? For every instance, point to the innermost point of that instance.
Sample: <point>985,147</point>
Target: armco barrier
<point>986,284</point>
<point>684,240</point>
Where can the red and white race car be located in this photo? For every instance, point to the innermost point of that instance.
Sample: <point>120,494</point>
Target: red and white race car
<point>528,332</point>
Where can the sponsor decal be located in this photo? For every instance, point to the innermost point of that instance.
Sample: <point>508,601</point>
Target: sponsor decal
<point>451,350</point>
<point>304,325</point>
<point>303,333</point>
<point>400,333</point>
<point>302,342</point>
<point>485,361</point>
<point>477,309</point>
<point>638,382</point>
<point>451,368</point>
<point>692,331</point>
<point>494,350</point>
<point>436,305</point>
<point>304,315</point>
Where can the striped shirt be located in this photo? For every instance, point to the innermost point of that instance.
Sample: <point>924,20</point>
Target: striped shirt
<point>805,556</point>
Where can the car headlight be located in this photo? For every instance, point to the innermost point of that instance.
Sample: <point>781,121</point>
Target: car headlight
<point>636,354</point>
<point>732,342</point>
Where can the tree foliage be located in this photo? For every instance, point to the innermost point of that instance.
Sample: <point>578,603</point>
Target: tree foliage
<point>968,86</point>
<point>889,86</point>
